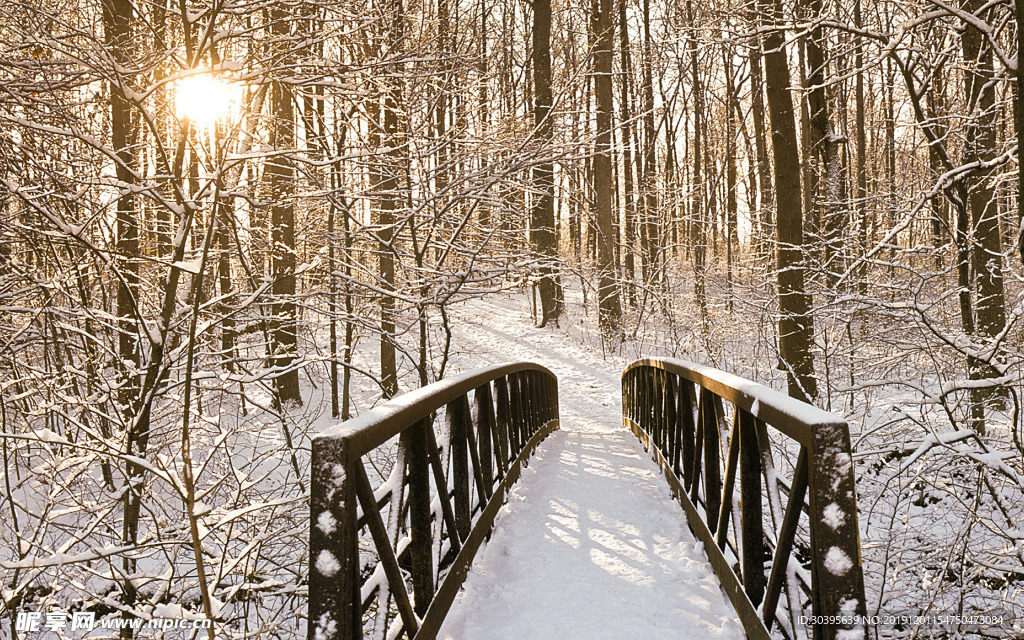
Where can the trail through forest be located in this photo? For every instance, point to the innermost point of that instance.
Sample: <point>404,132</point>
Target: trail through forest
<point>591,543</point>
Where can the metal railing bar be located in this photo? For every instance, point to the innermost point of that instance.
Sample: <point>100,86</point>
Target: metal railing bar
<point>478,476</point>
<point>751,526</point>
<point>381,502</point>
<point>712,456</point>
<point>686,408</point>
<point>786,537</point>
<point>418,478</point>
<point>698,453</point>
<point>485,425</point>
<point>728,489</point>
<point>658,417</point>
<point>441,483</point>
<point>771,478</point>
<point>790,416</point>
<point>449,587</point>
<point>515,412</point>
<point>456,414</point>
<point>501,420</point>
<point>532,391</point>
<point>671,419</point>
<point>373,428</point>
<point>385,553</point>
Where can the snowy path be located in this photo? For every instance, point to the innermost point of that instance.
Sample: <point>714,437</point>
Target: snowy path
<point>591,543</point>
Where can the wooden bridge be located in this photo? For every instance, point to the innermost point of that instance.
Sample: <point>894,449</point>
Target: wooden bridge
<point>389,551</point>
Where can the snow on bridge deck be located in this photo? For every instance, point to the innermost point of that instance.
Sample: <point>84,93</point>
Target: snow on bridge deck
<point>591,544</point>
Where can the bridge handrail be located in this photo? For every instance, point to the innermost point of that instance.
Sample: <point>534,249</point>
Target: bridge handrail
<point>516,407</point>
<point>660,405</point>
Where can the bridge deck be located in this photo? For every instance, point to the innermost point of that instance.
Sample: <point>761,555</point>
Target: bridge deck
<point>591,545</point>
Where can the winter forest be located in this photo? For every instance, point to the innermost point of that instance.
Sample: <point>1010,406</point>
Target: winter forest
<point>226,225</point>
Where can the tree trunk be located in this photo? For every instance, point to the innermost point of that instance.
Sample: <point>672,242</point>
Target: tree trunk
<point>650,233</point>
<point>824,147</point>
<point>610,311</point>
<point>698,216</point>
<point>980,144</point>
<point>627,155</point>
<point>281,179</point>
<point>1018,121</point>
<point>731,204</point>
<point>225,209</point>
<point>940,212</point>
<point>861,168</point>
<point>390,201</point>
<point>796,325</point>
<point>764,179</point>
<point>117,16</point>
<point>542,214</point>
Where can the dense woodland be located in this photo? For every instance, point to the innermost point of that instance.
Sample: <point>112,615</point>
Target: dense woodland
<point>224,219</point>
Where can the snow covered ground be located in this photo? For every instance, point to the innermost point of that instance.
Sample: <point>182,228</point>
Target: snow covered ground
<point>591,543</point>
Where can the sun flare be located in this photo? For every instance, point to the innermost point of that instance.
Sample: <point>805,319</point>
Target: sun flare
<point>204,99</point>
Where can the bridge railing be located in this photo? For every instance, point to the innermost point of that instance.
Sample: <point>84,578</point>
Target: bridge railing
<point>389,559</point>
<point>680,408</point>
